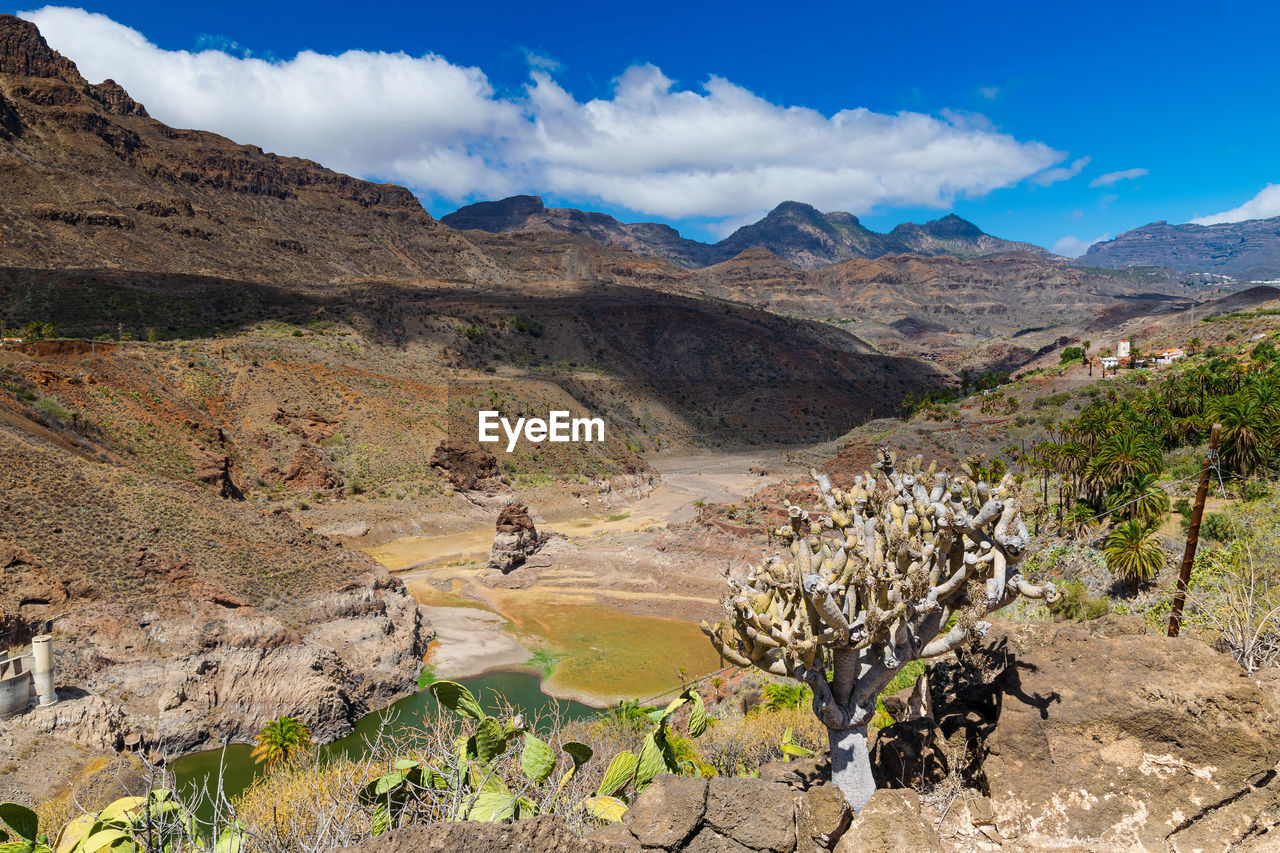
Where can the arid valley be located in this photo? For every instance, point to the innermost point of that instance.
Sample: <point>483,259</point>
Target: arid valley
<point>895,536</point>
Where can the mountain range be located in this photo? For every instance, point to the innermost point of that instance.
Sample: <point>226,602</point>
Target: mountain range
<point>796,232</point>
<point>93,183</point>
<point>1247,250</point>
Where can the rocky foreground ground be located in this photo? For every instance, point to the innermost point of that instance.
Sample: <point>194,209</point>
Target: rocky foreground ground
<point>1090,737</point>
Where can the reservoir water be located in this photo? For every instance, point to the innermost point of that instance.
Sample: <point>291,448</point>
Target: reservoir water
<point>201,770</point>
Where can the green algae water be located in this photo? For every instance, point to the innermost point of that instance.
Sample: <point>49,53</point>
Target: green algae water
<point>235,767</point>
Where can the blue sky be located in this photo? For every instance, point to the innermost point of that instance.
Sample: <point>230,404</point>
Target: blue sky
<point>1039,122</point>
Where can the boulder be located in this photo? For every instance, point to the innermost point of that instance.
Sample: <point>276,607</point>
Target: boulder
<point>800,774</point>
<point>1128,741</point>
<point>668,813</point>
<point>890,821</point>
<point>822,818</point>
<point>753,812</point>
<point>466,468</point>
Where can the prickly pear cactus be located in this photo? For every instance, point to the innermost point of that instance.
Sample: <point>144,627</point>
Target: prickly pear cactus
<point>871,583</point>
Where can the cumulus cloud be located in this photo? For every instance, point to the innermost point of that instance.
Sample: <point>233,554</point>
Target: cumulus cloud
<point>1073,247</point>
<point>1264,205</point>
<point>1062,173</point>
<point>720,152</point>
<point>1115,177</point>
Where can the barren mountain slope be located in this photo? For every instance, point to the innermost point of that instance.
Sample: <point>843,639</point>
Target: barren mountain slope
<point>91,181</point>
<point>166,598</point>
<point>903,301</point>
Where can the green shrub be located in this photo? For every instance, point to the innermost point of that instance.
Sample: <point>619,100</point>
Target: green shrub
<point>1076,605</point>
<point>1216,526</point>
<point>51,407</point>
<point>1255,490</point>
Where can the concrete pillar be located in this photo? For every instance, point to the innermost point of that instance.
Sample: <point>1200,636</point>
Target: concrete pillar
<point>42,670</point>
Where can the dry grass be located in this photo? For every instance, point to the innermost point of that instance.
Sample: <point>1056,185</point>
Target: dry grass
<point>308,802</point>
<point>738,745</point>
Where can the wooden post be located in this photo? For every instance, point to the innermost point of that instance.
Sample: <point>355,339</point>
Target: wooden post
<point>1193,534</point>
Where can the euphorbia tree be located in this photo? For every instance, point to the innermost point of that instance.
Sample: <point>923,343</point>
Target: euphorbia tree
<point>900,567</point>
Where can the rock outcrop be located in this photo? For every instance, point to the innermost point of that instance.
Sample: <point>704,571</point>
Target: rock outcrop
<point>1108,735</point>
<point>891,821</point>
<point>515,538</point>
<point>182,685</point>
<point>467,468</point>
<point>1100,735</point>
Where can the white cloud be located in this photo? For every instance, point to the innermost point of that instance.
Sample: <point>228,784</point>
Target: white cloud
<point>1073,247</point>
<point>722,152</point>
<point>1062,173</point>
<point>989,92</point>
<point>1115,177</point>
<point>1264,205</point>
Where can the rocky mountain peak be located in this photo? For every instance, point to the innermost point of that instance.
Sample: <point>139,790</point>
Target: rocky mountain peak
<point>503,215</point>
<point>952,225</point>
<point>113,96</point>
<point>793,208</point>
<point>24,51</point>
<point>949,226</point>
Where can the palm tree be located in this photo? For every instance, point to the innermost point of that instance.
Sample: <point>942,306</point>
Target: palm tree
<point>1132,554</point>
<point>281,740</point>
<point>1080,520</point>
<point>1073,459</point>
<point>1245,443</point>
<point>1122,457</point>
<point>1140,498</point>
<point>1264,392</point>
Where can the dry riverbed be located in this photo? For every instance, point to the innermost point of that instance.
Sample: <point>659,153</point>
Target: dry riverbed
<point>611,611</point>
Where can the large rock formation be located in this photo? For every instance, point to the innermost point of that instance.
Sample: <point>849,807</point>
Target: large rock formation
<point>357,650</point>
<point>515,538</point>
<point>1124,739</point>
<point>1102,736</point>
<point>1247,250</point>
<point>467,468</point>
